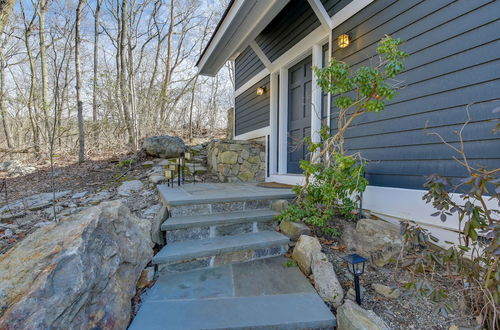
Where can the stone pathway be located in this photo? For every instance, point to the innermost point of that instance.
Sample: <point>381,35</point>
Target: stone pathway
<point>257,294</point>
<point>222,266</point>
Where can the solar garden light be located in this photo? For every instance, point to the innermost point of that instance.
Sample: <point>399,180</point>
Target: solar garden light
<point>187,156</point>
<point>168,175</point>
<point>172,168</point>
<point>356,265</point>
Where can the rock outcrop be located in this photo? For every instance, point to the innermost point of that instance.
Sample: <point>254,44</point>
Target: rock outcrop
<point>350,316</point>
<point>326,281</point>
<point>377,240</point>
<point>304,251</point>
<point>294,229</point>
<point>164,146</point>
<point>79,273</point>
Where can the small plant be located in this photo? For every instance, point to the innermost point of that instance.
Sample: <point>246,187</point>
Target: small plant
<point>125,163</point>
<point>334,179</point>
<point>290,263</point>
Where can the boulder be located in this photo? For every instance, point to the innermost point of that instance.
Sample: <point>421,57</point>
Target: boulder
<point>386,291</point>
<point>325,280</point>
<point>79,273</point>
<point>351,293</point>
<point>14,167</point>
<point>279,205</point>
<point>164,146</point>
<point>378,240</point>
<point>157,235</point>
<point>156,179</point>
<point>294,229</point>
<point>350,316</point>
<point>129,187</point>
<point>304,251</point>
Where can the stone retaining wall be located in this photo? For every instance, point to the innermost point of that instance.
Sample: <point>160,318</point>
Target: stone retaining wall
<point>237,161</point>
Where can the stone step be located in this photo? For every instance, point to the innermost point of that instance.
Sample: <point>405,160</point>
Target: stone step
<point>195,249</point>
<point>228,218</point>
<point>219,193</point>
<point>286,311</point>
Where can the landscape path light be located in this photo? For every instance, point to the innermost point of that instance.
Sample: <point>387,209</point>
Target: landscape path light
<point>356,265</point>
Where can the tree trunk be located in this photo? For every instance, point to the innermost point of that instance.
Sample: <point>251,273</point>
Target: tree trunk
<point>5,9</point>
<point>168,66</point>
<point>123,76</point>
<point>81,133</point>
<point>3,112</point>
<point>95,127</point>
<point>43,62</point>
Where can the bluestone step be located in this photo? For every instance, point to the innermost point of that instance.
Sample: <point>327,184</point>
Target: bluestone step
<point>184,222</point>
<point>208,193</point>
<point>215,246</point>
<point>287,311</point>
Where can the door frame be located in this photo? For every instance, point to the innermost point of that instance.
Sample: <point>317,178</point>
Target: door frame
<point>279,106</point>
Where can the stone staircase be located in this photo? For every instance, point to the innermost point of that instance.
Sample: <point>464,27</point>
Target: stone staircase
<point>222,266</point>
<point>221,227</point>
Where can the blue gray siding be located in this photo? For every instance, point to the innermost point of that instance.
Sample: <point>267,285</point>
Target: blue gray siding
<point>290,26</point>
<point>246,66</point>
<point>252,110</point>
<point>333,6</point>
<point>454,62</point>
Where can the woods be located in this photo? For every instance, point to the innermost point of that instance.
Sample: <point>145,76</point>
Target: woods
<point>97,75</point>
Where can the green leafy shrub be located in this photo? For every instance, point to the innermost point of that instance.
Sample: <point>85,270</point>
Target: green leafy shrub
<point>334,179</point>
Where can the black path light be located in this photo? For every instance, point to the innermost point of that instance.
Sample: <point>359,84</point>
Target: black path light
<point>356,265</point>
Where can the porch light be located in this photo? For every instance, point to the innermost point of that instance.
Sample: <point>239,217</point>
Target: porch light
<point>343,40</point>
<point>261,91</point>
<point>356,265</point>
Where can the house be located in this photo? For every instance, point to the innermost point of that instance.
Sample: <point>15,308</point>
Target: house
<point>453,64</point>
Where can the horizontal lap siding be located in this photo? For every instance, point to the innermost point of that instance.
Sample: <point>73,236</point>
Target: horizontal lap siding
<point>247,65</point>
<point>334,6</point>
<point>289,27</point>
<point>454,65</point>
<point>252,110</point>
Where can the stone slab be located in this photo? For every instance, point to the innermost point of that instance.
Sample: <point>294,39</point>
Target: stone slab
<point>289,311</point>
<point>206,193</point>
<point>228,218</point>
<point>204,283</point>
<point>269,277</point>
<point>218,245</point>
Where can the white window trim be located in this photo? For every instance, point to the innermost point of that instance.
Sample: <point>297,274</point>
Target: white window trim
<point>257,133</point>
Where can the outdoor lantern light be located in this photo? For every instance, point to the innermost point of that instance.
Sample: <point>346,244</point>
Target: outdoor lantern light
<point>172,167</point>
<point>187,155</point>
<point>261,91</point>
<point>356,265</point>
<point>344,40</point>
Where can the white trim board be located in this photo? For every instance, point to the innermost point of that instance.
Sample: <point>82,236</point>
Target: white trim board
<point>257,133</point>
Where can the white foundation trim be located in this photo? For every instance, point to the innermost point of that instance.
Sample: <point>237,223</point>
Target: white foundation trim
<point>253,134</point>
<point>292,179</point>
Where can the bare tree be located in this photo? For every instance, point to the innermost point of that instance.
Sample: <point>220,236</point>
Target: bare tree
<point>5,10</point>
<point>95,126</point>
<point>81,134</point>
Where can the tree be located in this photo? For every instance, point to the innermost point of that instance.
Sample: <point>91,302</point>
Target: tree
<point>81,134</point>
<point>5,10</point>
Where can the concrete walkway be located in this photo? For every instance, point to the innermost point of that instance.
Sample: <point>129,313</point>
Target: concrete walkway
<point>262,294</point>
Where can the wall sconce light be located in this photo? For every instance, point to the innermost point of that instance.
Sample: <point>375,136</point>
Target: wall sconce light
<point>343,40</point>
<point>356,266</point>
<point>261,91</point>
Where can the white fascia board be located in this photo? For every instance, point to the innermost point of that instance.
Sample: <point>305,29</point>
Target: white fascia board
<point>320,11</point>
<point>247,20</point>
<point>261,132</point>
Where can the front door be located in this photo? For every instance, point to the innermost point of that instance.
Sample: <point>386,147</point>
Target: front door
<point>299,113</point>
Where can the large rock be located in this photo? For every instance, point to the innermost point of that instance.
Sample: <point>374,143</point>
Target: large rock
<point>164,146</point>
<point>129,187</point>
<point>294,229</point>
<point>325,280</point>
<point>14,167</point>
<point>80,273</point>
<point>350,316</point>
<point>386,291</point>
<point>304,251</point>
<point>377,240</point>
